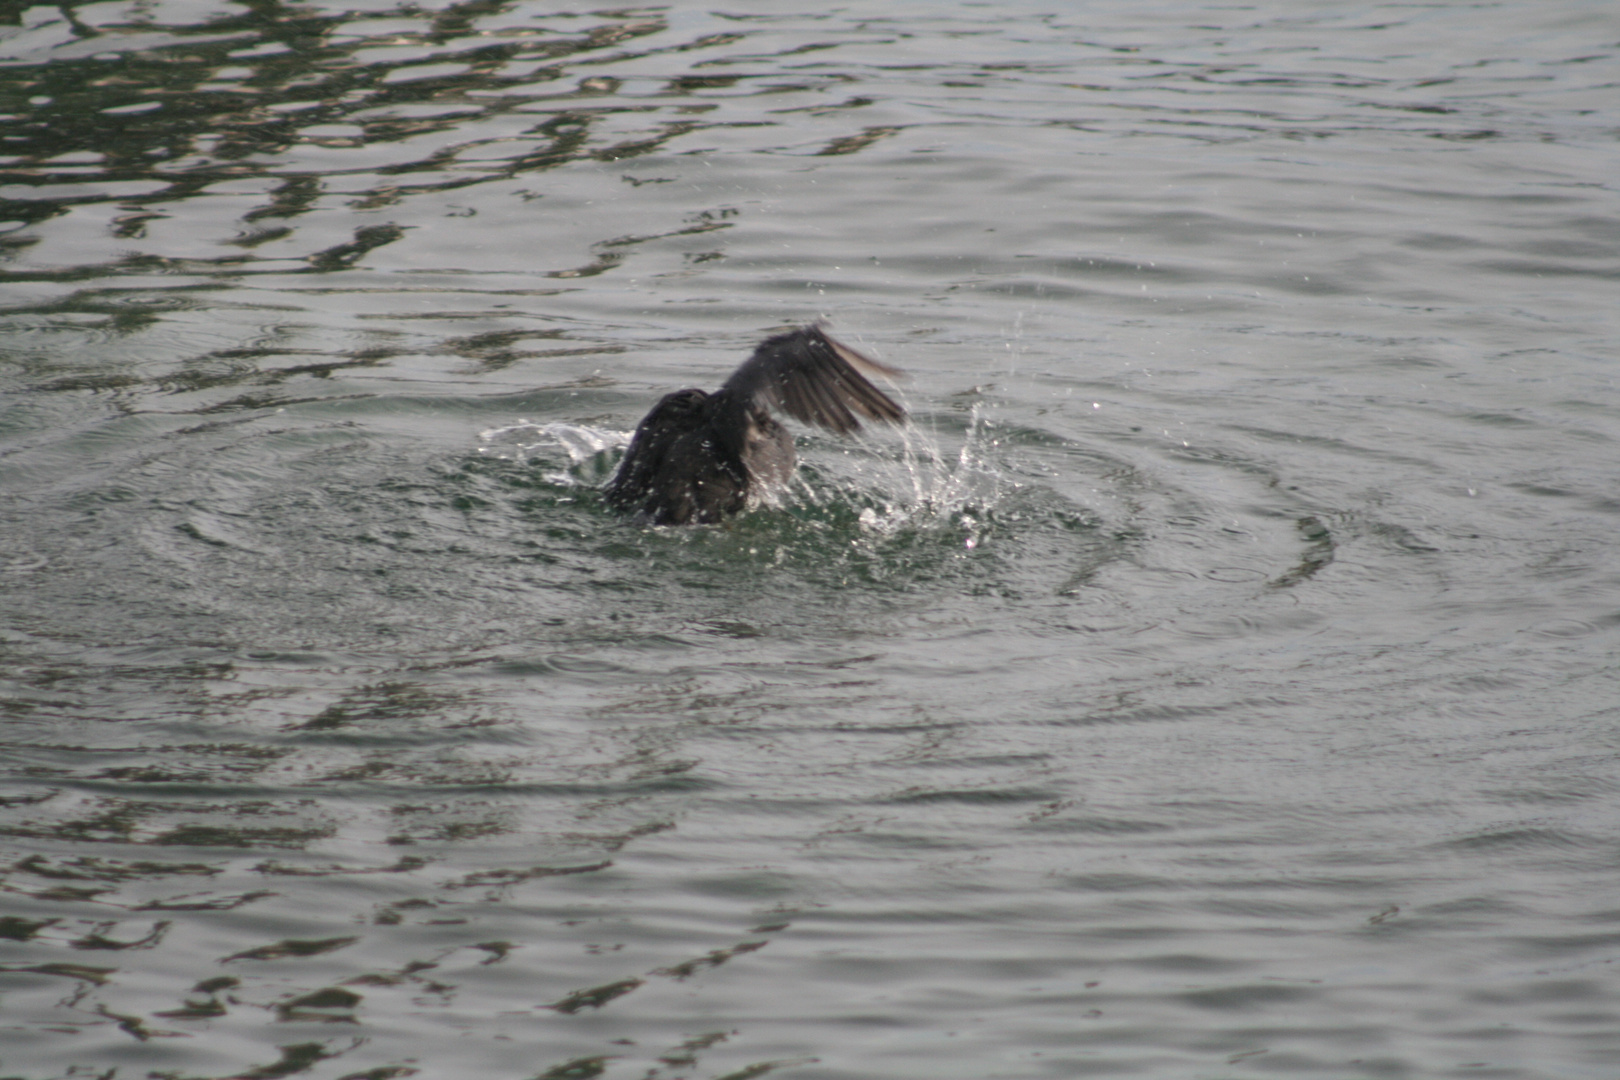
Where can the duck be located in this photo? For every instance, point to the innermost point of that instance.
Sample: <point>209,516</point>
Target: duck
<point>698,457</point>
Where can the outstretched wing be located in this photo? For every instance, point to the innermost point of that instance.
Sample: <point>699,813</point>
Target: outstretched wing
<point>814,379</point>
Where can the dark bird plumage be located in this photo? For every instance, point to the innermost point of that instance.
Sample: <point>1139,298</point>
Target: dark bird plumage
<point>696,457</point>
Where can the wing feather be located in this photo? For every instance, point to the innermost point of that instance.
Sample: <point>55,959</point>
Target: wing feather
<point>815,380</point>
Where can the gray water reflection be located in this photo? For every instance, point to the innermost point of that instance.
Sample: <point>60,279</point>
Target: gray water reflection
<point>1217,680</point>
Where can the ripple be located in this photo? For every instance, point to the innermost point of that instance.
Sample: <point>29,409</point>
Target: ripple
<point>1256,482</point>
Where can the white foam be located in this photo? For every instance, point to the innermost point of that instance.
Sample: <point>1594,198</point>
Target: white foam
<point>524,440</point>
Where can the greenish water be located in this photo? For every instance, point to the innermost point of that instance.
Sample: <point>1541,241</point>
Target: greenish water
<point>1217,679</point>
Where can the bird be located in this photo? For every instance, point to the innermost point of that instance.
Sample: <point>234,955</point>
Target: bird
<point>697,457</point>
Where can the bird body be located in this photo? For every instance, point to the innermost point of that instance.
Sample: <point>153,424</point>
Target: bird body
<point>697,457</point>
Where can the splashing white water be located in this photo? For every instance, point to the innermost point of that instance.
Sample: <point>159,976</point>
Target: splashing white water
<point>917,484</point>
<point>901,483</point>
<point>524,442</point>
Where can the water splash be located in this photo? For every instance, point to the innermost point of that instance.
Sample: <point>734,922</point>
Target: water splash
<point>895,486</point>
<point>912,484</point>
<point>525,442</point>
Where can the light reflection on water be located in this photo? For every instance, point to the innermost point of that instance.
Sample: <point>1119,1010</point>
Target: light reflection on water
<point>1215,680</point>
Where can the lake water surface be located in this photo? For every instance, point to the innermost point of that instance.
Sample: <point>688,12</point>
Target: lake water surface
<point>1217,679</point>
